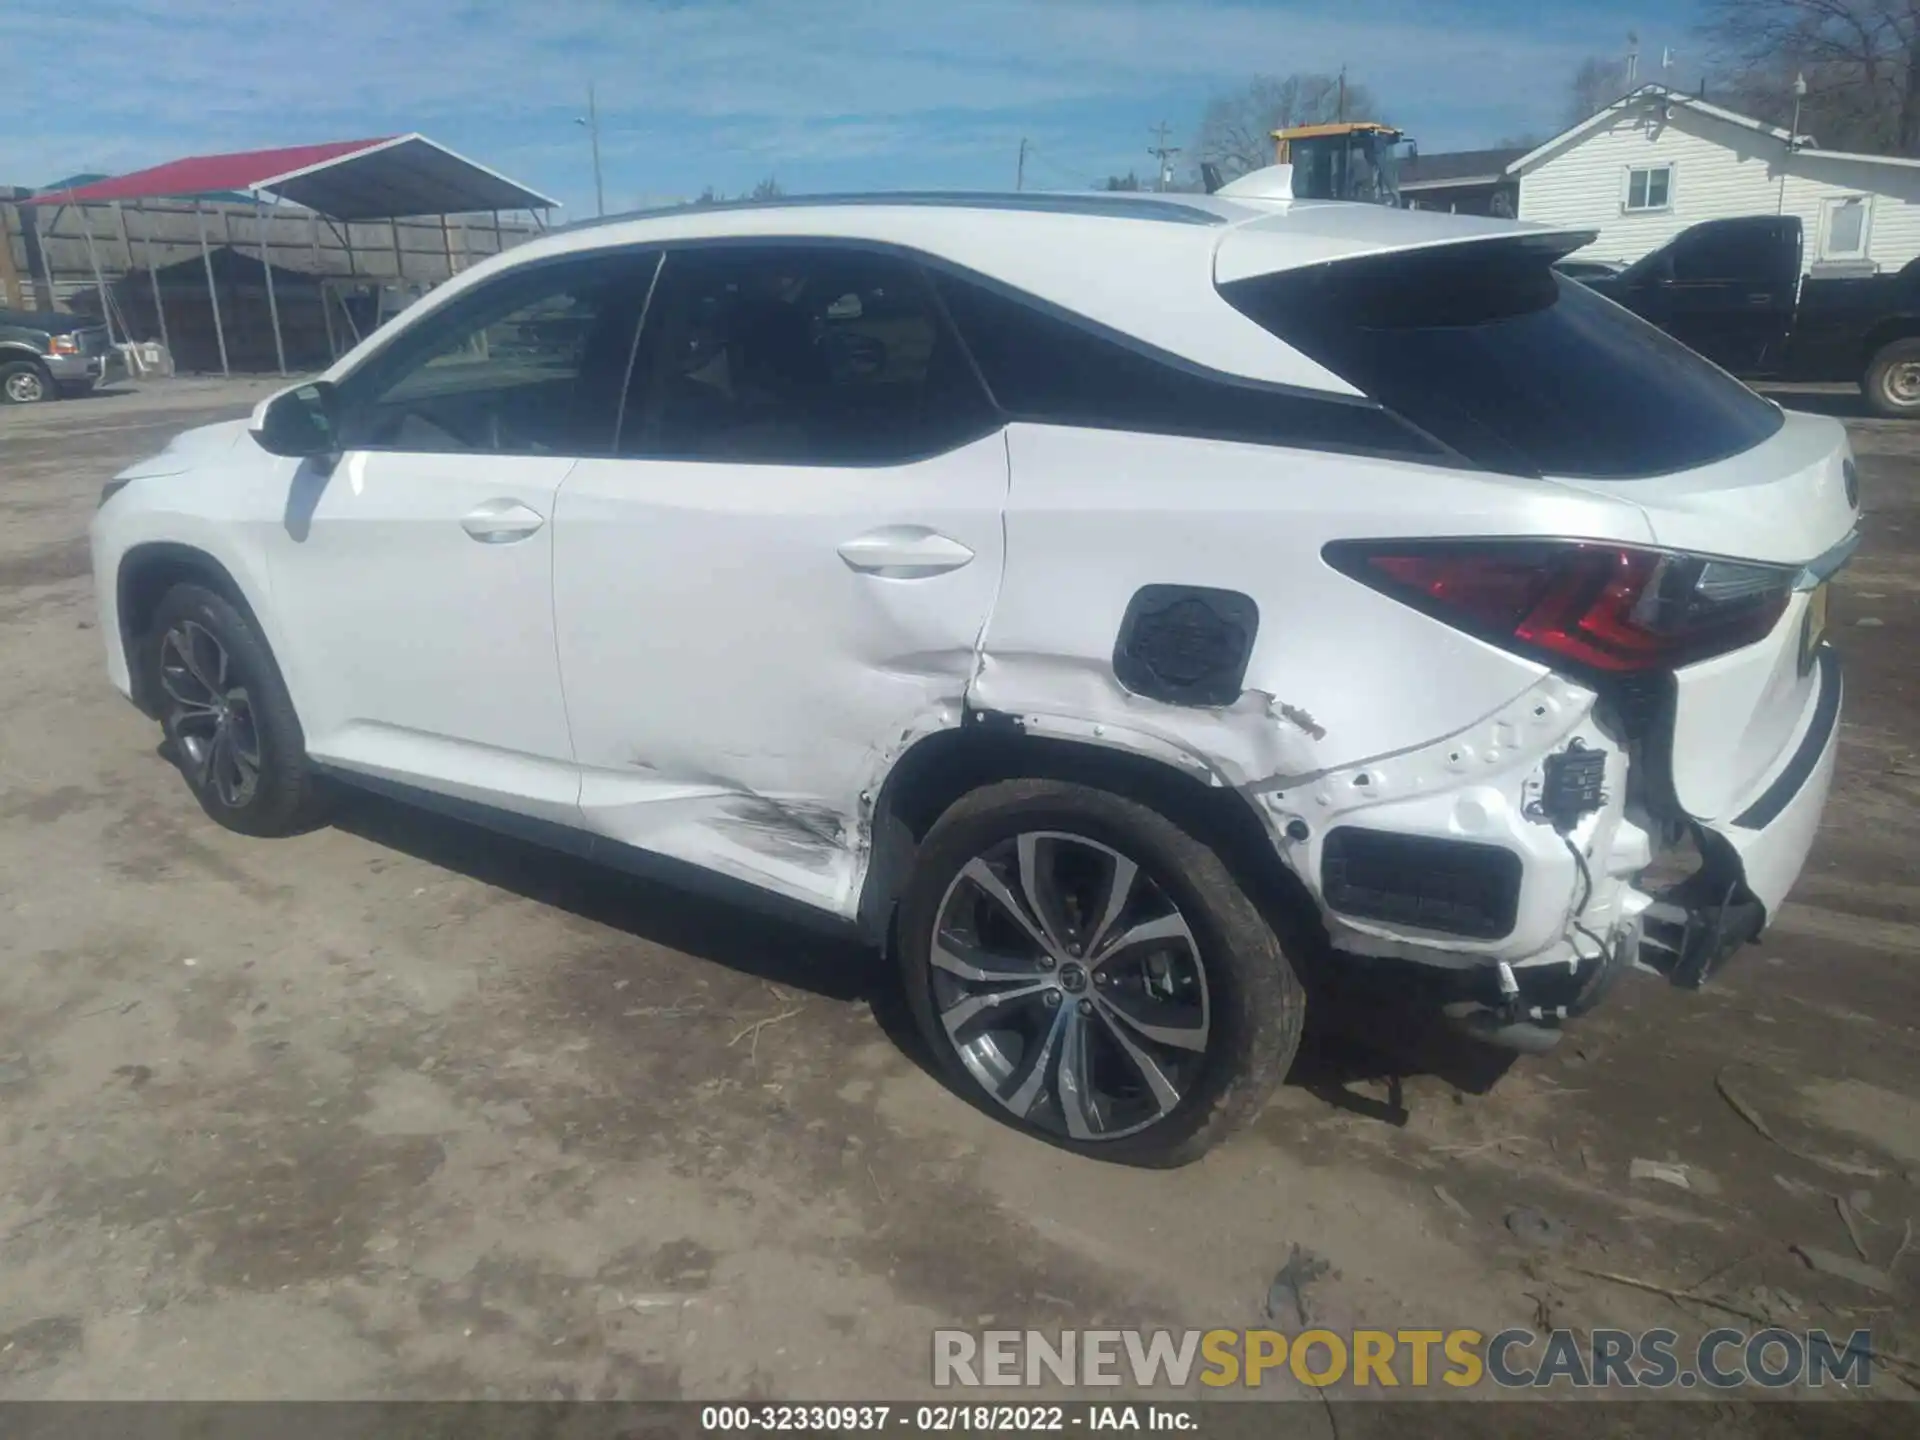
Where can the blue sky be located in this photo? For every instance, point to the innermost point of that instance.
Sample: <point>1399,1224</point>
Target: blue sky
<point>823,94</point>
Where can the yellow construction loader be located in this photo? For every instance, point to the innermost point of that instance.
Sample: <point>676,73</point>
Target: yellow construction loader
<point>1350,160</point>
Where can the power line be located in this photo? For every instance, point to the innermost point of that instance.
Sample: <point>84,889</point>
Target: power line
<point>1066,174</point>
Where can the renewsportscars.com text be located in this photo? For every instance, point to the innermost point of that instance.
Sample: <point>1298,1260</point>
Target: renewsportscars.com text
<point>1723,1359</point>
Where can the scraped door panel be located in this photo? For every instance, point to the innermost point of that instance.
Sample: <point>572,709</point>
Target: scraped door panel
<point>787,580</point>
<point>744,645</point>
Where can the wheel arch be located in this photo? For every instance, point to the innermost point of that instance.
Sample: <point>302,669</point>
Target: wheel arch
<point>13,353</point>
<point>1897,327</point>
<point>146,573</point>
<point>937,770</point>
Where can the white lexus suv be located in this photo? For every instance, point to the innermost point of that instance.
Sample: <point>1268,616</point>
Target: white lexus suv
<point>1127,608</point>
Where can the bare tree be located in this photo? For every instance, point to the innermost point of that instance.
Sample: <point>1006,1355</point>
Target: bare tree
<point>1595,85</point>
<point>1128,181</point>
<point>1861,60</point>
<point>767,189</point>
<point>1236,130</point>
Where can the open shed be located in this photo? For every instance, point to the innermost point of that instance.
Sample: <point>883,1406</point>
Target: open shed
<point>392,178</point>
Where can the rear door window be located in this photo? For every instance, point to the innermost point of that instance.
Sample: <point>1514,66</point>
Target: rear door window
<point>1736,252</point>
<point>1516,368</point>
<point>799,354</point>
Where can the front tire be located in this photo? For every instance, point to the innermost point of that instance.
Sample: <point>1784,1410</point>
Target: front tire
<point>1089,972</point>
<point>1892,381</point>
<point>230,725</point>
<point>22,382</point>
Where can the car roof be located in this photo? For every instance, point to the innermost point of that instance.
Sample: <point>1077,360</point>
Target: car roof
<point>1146,265</point>
<point>1119,204</point>
<point>1313,230</point>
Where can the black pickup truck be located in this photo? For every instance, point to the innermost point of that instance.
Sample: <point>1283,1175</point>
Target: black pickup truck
<point>1732,290</point>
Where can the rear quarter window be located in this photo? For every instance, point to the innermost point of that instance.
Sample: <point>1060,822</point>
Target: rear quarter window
<point>1045,366</point>
<point>1514,367</point>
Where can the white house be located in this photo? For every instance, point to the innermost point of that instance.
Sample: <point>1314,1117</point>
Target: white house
<point>1653,163</point>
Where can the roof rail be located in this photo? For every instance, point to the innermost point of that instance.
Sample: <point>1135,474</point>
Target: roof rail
<point>1113,204</point>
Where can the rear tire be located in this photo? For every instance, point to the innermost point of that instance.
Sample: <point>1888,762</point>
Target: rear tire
<point>22,382</point>
<point>1150,1051</point>
<point>229,722</point>
<point>1892,381</point>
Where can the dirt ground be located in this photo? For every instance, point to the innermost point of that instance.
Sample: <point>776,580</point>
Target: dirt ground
<point>401,1109</point>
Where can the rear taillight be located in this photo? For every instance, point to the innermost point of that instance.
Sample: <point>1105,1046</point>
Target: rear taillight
<point>1608,608</point>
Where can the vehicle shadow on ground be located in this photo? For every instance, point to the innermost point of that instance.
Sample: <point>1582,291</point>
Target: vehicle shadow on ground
<point>117,391</point>
<point>1377,1035</point>
<point>742,939</point>
<point>1352,1036</point>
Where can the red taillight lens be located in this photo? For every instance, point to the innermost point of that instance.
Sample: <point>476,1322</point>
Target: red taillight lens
<point>1599,607</point>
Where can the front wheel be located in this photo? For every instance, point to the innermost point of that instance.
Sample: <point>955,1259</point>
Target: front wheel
<point>1892,381</point>
<point>23,383</point>
<point>1088,971</point>
<point>230,725</point>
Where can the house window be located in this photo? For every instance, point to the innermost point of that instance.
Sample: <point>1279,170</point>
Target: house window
<point>1649,187</point>
<point>1844,235</point>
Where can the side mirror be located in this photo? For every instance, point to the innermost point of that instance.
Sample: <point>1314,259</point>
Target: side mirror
<point>300,422</point>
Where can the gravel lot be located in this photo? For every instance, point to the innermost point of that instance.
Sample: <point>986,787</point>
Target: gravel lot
<point>401,1109</point>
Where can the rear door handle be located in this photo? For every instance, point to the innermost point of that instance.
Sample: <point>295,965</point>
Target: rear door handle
<point>904,552</point>
<point>501,522</point>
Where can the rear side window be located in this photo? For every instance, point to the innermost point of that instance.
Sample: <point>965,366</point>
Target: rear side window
<point>1045,367</point>
<point>1518,369</point>
<point>1741,251</point>
<point>796,354</point>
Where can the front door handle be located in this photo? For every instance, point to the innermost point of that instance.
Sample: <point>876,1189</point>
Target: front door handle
<point>904,552</point>
<point>501,522</point>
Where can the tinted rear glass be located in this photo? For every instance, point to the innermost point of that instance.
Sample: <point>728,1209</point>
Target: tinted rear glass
<point>1489,351</point>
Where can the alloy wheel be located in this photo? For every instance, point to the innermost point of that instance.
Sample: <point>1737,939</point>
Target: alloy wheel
<point>210,715</point>
<point>1070,986</point>
<point>25,387</point>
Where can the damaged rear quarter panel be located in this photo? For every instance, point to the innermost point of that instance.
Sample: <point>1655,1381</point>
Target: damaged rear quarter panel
<point>1340,676</point>
<point>1094,515</point>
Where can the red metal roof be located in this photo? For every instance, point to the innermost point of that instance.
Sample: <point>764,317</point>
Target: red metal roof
<point>204,174</point>
<point>345,179</point>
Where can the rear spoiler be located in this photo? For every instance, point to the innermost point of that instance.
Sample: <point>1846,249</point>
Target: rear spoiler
<point>1309,234</point>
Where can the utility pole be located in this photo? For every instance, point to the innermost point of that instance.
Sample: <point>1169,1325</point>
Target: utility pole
<point>1020,171</point>
<point>1793,141</point>
<point>592,122</point>
<point>1164,153</point>
<point>1340,105</point>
